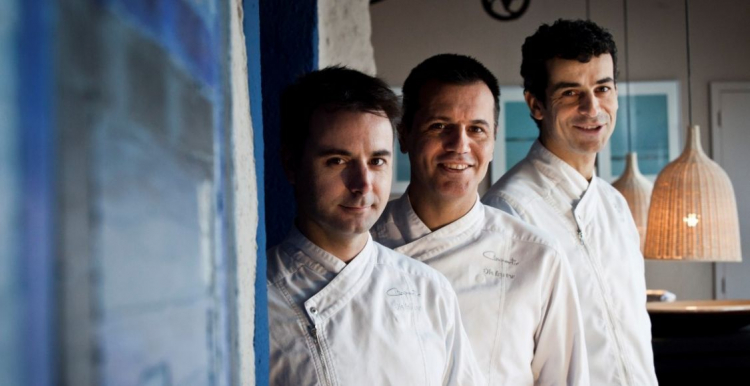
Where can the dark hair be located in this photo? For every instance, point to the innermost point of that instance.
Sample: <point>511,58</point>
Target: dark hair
<point>334,89</point>
<point>448,69</point>
<point>566,39</point>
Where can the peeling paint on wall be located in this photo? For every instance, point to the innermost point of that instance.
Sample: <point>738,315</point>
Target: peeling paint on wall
<point>244,188</point>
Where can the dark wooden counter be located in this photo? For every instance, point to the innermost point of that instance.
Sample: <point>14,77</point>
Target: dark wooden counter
<point>701,357</point>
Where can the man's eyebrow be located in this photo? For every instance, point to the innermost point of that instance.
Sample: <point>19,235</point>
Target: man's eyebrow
<point>560,85</point>
<point>333,151</point>
<point>446,119</point>
<point>438,118</point>
<point>382,153</point>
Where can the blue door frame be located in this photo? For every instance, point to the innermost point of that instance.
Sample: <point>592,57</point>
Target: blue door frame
<point>282,44</point>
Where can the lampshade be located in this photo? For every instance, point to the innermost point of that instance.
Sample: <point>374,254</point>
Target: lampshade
<point>637,191</point>
<point>693,213</point>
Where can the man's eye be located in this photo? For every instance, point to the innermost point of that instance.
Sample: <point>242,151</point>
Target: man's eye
<point>335,161</point>
<point>604,89</point>
<point>568,93</point>
<point>437,126</point>
<point>378,162</point>
<point>477,129</point>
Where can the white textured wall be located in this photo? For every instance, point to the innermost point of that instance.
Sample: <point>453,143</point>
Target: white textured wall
<point>344,34</point>
<point>245,198</point>
<point>405,32</point>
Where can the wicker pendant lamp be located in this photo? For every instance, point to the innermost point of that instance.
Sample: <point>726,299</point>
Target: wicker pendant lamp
<point>693,213</point>
<point>632,184</point>
<point>637,192</point>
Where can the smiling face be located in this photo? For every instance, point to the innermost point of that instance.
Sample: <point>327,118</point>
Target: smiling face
<point>343,180</point>
<point>451,141</point>
<point>579,113</point>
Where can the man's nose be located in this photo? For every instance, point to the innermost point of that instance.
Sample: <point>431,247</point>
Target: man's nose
<point>457,140</point>
<point>359,178</point>
<point>589,105</point>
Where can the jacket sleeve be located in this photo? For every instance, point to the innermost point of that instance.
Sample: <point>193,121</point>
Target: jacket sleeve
<point>560,357</point>
<point>462,367</point>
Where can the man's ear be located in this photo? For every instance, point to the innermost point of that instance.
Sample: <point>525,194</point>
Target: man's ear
<point>402,138</point>
<point>535,105</point>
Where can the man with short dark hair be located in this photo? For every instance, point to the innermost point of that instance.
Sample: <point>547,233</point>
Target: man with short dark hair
<point>569,71</point>
<point>515,290</point>
<point>344,310</point>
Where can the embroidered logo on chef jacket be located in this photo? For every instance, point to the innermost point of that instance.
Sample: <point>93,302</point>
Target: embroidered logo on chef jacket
<point>506,268</point>
<point>403,299</point>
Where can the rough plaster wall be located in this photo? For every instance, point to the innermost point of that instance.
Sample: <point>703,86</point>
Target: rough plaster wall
<point>406,32</point>
<point>344,34</point>
<point>245,199</point>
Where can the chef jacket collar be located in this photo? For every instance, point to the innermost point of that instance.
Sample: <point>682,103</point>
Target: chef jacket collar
<point>412,228</point>
<point>567,181</point>
<point>566,178</point>
<point>347,282</point>
<point>324,259</point>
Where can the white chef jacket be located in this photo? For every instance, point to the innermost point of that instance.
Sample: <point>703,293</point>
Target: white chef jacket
<point>381,319</point>
<point>593,223</point>
<point>516,293</point>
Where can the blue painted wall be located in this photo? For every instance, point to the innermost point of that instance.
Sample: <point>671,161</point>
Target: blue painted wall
<point>12,298</point>
<point>289,48</point>
<point>37,137</point>
<point>282,44</point>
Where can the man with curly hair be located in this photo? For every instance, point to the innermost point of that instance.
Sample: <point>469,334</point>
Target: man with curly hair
<point>569,71</point>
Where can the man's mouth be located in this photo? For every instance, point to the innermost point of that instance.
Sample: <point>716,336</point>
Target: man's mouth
<point>588,127</point>
<point>356,208</point>
<point>457,167</point>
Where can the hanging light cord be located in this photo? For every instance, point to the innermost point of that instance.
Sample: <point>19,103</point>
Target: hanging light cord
<point>627,75</point>
<point>687,40</point>
<point>588,10</point>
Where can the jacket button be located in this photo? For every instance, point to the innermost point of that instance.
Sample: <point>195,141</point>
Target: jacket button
<point>313,310</point>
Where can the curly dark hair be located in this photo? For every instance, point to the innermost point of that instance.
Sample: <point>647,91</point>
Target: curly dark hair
<point>566,39</point>
<point>448,69</point>
<point>332,88</point>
